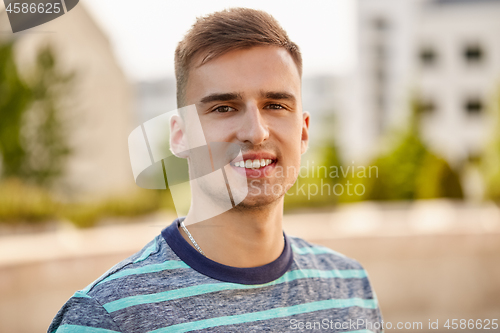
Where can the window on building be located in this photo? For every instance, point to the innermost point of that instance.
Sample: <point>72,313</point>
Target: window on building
<point>427,106</point>
<point>428,56</point>
<point>473,106</point>
<point>473,53</point>
<point>380,23</point>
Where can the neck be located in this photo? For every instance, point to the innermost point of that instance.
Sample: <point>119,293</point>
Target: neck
<point>240,237</point>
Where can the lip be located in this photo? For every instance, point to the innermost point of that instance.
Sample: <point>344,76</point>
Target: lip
<point>255,173</point>
<point>255,156</point>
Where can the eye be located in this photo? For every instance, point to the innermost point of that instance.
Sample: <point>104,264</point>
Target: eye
<point>275,106</point>
<point>223,109</point>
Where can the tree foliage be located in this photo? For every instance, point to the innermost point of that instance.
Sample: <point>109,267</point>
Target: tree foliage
<point>16,96</point>
<point>490,161</point>
<point>33,140</point>
<point>410,170</point>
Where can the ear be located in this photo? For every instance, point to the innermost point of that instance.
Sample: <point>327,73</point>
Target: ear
<point>178,140</point>
<point>305,132</point>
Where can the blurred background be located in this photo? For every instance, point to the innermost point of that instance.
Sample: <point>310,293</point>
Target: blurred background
<point>403,172</point>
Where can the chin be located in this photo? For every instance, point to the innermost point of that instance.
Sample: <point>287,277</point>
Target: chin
<point>260,201</point>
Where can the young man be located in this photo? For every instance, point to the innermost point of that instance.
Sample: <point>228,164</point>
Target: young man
<point>234,271</point>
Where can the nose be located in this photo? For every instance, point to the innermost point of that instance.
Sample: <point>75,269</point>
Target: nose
<point>253,128</point>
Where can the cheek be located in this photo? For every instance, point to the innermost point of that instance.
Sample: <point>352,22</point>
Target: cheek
<point>290,134</point>
<point>220,130</point>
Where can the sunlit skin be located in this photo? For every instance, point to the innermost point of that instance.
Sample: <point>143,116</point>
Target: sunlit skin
<point>250,97</point>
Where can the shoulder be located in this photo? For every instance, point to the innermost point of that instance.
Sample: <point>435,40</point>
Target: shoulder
<point>121,280</point>
<point>147,255</point>
<point>334,272</point>
<point>82,313</point>
<point>322,263</point>
<point>91,306</point>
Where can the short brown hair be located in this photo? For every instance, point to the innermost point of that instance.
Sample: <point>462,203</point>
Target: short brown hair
<point>224,31</point>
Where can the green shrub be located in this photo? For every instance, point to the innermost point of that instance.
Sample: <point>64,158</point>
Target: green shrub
<point>21,203</point>
<point>436,179</point>
<point>309,192</point>
<point>141,202</point>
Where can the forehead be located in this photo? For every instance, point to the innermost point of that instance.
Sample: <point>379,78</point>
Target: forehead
<point>244,71</point>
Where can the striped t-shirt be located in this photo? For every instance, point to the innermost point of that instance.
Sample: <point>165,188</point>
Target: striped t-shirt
<point>168,286</point>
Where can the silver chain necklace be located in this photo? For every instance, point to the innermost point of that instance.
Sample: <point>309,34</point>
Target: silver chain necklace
<point>191,238</point>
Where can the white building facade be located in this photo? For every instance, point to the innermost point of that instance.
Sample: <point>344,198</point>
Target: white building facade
<point>446,53</point>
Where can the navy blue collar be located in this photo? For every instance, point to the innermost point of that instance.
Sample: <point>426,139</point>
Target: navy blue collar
<point>200,263</point>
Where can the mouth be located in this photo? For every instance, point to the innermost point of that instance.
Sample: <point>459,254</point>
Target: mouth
<point>253,164</point>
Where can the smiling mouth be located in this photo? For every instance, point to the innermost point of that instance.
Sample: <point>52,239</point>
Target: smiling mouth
<point>253,164</point>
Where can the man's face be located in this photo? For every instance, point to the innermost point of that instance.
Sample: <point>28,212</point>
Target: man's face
<point>252,97</point>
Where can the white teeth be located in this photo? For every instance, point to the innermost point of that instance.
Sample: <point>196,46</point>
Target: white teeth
<point>253,164</point>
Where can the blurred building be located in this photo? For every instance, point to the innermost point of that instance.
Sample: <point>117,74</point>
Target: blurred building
<point>99,112</point>
<point>154,98</point>
<point>445,53</point>
<point>320,97</point>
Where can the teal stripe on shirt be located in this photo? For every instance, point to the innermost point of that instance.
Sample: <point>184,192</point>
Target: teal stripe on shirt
<point>314,250</point>
<point>81,329</point>
<point>269,314</point>
<point>147,252</point>
<point>209,288</point>
<point>81,294</point>
<point>152,268</point>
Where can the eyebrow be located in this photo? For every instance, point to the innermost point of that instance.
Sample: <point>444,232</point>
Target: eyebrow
<point>278,95</point>
<point>223,97</point>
